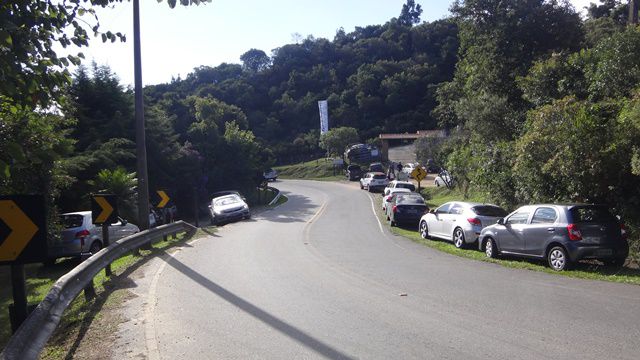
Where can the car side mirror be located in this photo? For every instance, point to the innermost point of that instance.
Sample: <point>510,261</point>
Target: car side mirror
<point>500,221</point>
<point>432,211</point>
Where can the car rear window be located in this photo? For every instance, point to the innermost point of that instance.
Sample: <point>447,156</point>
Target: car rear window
<point>379,176</point>
<point>591,214</point>
<point>407,186</point>
<point>410,199</point>
<point>71,221</point>
<point>488,210</point>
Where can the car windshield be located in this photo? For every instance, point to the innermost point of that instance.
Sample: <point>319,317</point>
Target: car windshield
<point>410,199</point>
<point>71,221</point>
<point>591,214</point>
<point>227,200</point>
<point>488,210</point>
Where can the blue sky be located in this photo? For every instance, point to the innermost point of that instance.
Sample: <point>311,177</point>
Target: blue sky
<point>174,41</point>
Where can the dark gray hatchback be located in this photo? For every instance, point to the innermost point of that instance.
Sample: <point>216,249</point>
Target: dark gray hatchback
<point>561,234</point>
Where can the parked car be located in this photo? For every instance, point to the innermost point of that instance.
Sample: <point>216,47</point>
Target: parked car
<point>460,222</point>
<point>354,172</point>
<point>408,168</point>
<point>270,175</point>
<point>81,238</point>
<point>387,197</point>
<point>444,179</point>
<point>376,167</point>
<point>561,234</point>
<point>374,180</point>
<point>406,208</point>
<point>399,184</point>
<point>228,208</point>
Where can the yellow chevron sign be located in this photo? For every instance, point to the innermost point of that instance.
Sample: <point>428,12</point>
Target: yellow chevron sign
<point>104,209</point>
<point>22,230</point>
<point>164,199</point>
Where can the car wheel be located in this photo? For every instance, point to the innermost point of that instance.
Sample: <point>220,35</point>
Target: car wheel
<point>558,259</point>
<point>95,247</point>
<point>424,230</point>
<point>490,248</point>
<point>458,238</point>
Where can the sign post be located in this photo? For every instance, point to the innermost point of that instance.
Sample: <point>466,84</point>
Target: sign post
<point>419,174</point>
<point>23,239</point>
<point>104,211</point>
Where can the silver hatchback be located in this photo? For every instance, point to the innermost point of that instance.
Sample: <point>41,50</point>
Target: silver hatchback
<point>81,238</point>
<point>460,222</point>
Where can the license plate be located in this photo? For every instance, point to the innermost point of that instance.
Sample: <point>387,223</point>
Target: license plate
<point>603,252</point>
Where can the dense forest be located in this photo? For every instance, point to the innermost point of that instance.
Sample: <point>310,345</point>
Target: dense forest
<point>542,105</point>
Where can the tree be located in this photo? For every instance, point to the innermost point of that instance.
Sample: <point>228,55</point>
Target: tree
<point>120,183</point>
<point>255,60</point>
<point>336,140</point>
<point>410,13</point>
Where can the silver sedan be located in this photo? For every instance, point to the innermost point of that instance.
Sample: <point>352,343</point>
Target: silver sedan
<point>459,222</point>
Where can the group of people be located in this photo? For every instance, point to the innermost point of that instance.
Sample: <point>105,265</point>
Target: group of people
<point>395,172</point>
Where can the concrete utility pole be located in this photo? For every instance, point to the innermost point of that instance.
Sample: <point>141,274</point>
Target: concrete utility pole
<point>141,145</point>
<point>633,12</point>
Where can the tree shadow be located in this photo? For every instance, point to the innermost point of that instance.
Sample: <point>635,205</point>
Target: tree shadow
<point>299,209</point>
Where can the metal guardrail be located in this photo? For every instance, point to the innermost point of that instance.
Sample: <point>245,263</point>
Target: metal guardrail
<point>33,334</point>
<point>278,194</point>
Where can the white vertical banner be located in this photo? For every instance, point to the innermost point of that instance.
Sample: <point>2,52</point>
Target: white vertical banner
<point>324,116</point>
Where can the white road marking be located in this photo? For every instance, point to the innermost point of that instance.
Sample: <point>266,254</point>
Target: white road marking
<point>150,335</point>
<point>373,208</point>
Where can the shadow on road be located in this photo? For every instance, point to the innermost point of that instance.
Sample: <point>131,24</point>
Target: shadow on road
<point>270,320</point>
<point>298,208</point>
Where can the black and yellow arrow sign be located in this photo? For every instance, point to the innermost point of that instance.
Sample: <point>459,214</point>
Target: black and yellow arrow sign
<point>419,173</point>
<point>164,199</point>
<point>104,209</point>
<point>25,239</point>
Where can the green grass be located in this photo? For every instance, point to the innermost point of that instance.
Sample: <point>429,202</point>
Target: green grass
<point>40,279</point>
<point>320,169</point>
<point>583,270</point>
<point>281,200</point>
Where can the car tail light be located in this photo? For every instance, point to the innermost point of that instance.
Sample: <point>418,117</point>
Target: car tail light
<point>574,233</point>
<point>395,209</point>
<point>474,221</point>
<point>623,231</point>
<point>81,235</point>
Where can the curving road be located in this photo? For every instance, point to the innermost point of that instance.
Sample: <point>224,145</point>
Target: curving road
<point>319,277</point>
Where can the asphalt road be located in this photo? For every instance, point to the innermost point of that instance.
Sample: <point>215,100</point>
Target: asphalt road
<point>319,277</point>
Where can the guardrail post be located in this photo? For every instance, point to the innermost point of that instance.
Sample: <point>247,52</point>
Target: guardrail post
<point>89,291</point>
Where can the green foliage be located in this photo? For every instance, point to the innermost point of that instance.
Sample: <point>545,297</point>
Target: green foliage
<point>336,140</point>
<point>123,185</point>
<point>613,66</point>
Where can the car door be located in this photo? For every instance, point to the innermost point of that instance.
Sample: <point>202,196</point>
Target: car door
<point>435,222</point>
<point>540,231</point>
<point>448,221</point>
<point>510,235</point>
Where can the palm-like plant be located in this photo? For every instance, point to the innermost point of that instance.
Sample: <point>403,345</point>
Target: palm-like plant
<point>120,183</point>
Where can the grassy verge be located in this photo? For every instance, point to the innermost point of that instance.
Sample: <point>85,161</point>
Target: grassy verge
<point>320,169</point>
<point>40,279</point>
<point>583,270</point>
